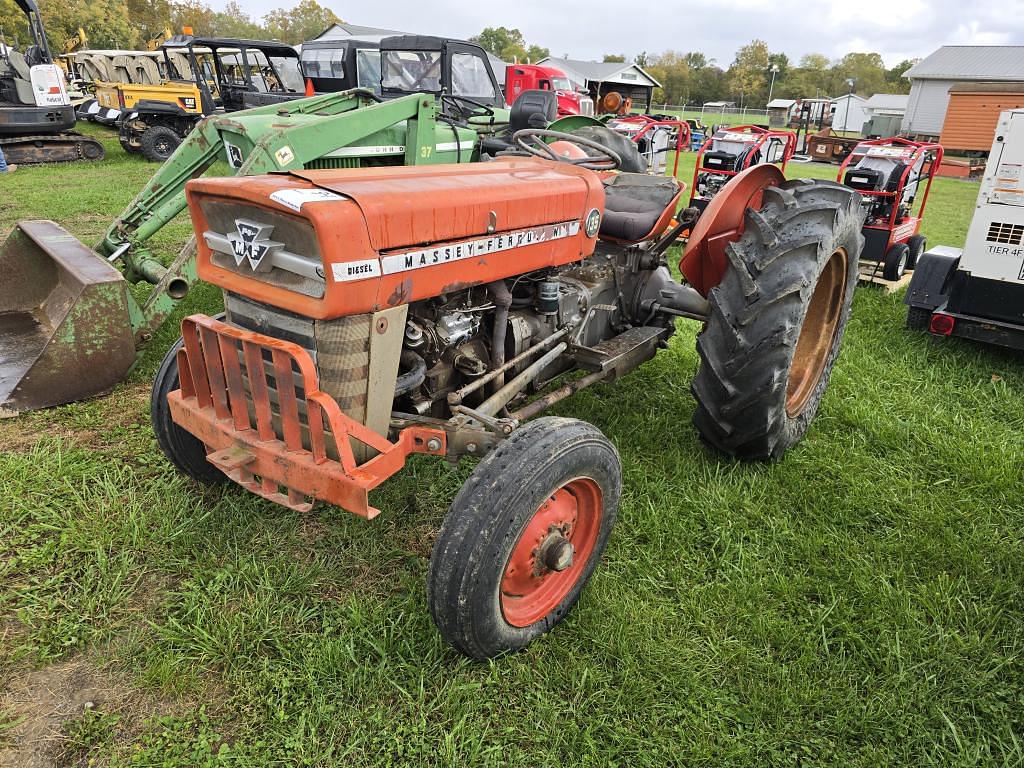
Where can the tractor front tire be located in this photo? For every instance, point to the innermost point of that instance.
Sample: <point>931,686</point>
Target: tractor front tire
<point>186,452</point>
<point>158,143</point>
<point>523,536</point>
<point>777,319</point>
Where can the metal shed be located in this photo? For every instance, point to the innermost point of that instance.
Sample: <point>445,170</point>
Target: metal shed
<point>973,113</point>
<point>932,78</point>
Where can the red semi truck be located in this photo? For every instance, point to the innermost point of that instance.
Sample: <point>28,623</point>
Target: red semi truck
<point>532,77</point>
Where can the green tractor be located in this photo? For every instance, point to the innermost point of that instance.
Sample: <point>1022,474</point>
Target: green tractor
<point>72,326</point>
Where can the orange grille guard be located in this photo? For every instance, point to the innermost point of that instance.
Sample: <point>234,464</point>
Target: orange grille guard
<point>214,405</point>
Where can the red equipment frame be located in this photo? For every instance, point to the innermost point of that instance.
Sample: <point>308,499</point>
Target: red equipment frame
<point>649,123</point>
<point>761,136</point>
<point>908,152</point>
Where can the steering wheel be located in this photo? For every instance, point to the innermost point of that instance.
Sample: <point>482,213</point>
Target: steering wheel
<point>532,141</point>
<point>476,108</point>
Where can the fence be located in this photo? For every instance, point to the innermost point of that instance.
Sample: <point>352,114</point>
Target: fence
<point>717,115</point>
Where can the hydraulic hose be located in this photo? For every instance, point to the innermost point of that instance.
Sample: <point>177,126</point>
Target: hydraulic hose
<point>414,375</point>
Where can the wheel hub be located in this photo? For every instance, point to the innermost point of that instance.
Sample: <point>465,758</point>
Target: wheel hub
<point>556,552</point>
<point>552,552</point>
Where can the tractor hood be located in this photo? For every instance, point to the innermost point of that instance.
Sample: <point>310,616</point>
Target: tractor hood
<point>338,242</point>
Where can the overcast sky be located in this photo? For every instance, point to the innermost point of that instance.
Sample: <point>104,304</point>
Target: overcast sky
<point>586,29</point>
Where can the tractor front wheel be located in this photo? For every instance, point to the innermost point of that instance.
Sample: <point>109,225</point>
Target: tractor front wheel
<point>182,448</point>
<point>777,319</point>
<point>523,536</point>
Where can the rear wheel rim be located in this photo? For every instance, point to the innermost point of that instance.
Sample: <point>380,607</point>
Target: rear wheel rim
<point>818,333</point>
<point>529,589</point>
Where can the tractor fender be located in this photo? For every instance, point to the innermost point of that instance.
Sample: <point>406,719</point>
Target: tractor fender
<point>929,287</point>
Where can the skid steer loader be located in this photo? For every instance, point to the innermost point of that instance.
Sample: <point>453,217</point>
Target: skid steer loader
<point>385,312</point>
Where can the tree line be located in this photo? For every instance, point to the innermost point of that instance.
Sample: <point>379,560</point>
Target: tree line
<point>130,24</point>
<point>689,77</point>
<point>692,77</point>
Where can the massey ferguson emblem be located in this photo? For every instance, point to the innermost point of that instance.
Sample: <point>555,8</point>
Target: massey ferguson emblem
<point>250,242</point>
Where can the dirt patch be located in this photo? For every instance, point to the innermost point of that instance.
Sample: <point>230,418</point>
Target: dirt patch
<point>42,703</point>
<point>127,406</point>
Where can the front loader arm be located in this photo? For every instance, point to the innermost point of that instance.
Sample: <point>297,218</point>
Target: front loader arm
<point>278,137</point>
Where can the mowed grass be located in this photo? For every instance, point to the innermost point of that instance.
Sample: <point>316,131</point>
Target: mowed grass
<point>857,604</point>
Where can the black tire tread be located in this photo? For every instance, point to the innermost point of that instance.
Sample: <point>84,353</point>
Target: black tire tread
<point>747,344</point>
<point>181,448</point>
<point>482,525</point>
<point>151,136</point>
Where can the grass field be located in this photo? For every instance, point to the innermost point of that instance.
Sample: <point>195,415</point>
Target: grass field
<point>859,604</point>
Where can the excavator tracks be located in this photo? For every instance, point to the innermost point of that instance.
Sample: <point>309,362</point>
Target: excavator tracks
<point>53,148</point>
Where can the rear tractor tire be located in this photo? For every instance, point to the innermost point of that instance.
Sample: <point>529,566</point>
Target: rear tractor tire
<point>777,319</point>
<point>523,536</point>
<point>158,143</point>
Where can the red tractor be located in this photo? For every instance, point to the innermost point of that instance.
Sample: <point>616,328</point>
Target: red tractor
<point>376,313</point>
<point>888,174</point>
<point>732,150</point>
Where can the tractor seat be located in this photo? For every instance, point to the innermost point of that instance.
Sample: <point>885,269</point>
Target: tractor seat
<point>638,207</point>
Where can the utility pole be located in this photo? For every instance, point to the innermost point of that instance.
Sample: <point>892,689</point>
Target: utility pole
<point>771,87</point>
<point>850,81</point>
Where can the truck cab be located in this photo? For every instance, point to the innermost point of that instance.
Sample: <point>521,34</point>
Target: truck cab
<point>533,77</point>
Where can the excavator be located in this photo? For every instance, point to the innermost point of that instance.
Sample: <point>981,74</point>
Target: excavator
<point>36,116</point>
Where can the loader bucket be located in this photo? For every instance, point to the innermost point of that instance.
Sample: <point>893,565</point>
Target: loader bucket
<point>65,332</point>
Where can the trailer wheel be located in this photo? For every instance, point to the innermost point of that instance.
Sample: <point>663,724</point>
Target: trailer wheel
<point>896,262</point>
<point>181,448</point>
<point>918,318</point>
<point>916,244</point>
<point>523,536</point>
<point>158,143</point>
<point>777,319</point>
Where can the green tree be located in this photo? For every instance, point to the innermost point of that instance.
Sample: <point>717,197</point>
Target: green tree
<point>303,22</point>
<point>895,82</point>
<point>13,24</point>
<point>615,58</point>
<point>748,73</point>
<point>508,44</point>
<point>149,17</point>
<point>867,70</point>
<point>192,13</point>
<point>233,21</point>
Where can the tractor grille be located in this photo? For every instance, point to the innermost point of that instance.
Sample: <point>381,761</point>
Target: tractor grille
<point>295,263</point>
<point>340,348</point>
<point>1006,234</point>
<point>330,163</point>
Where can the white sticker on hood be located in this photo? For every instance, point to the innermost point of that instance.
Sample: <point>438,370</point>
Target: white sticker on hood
<point>296,198</point>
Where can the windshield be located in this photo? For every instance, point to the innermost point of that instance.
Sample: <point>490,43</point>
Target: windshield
<point>287,70</point>
<point>561,84</point>
<point>411,71</point>
<point>323,62</point>
<point>470,77</point>
<point>368,68</point>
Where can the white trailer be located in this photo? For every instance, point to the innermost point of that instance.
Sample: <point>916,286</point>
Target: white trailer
<point>978,292</point>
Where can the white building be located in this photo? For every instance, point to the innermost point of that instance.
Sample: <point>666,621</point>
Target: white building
<point>848,112</point>
<point>931,79</point>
